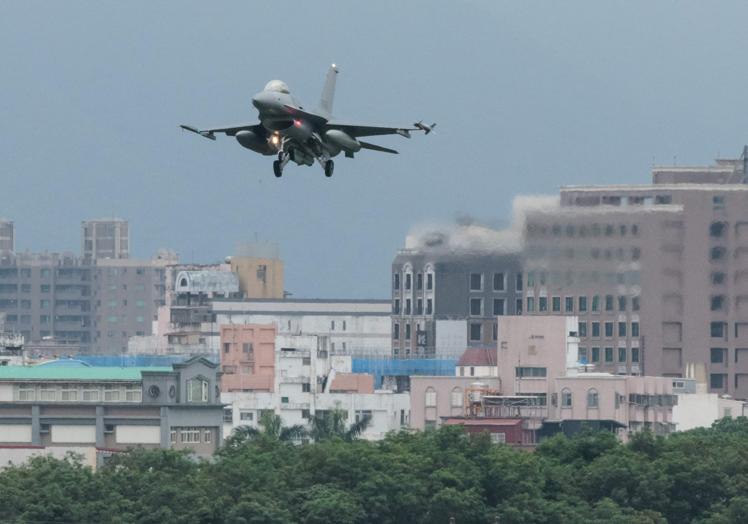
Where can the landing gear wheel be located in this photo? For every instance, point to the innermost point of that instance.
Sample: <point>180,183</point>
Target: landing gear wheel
<point>277,169</point>
<point>280,156</point>
<point>329,167</point>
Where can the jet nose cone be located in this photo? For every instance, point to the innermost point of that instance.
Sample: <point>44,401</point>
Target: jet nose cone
<point>263,100</point>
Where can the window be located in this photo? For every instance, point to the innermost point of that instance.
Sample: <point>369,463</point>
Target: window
<point>429,281</point>
<point>476,281</point>
<point>621,303</point>
<point>419,281</point>
<point>408,279</point>
<point>498,438</point>
<point>717,253</point>
<point>407,306</point>
<point>197,390</point>
<point>530,304</point>
<point>407,332</point>
<point>622,329</point>
<point>596,329</point>
<point>718,278</point>
<point>596,303</point>
<point>634,303</point>
<point>717,302</point>
<point>476,307</point>
<point>543,304</point>
<point>569,304</point>
<point>133,394</point>
<point>634,329</point>
<point>621,354</point>
<point>457,398</point>
<point>556,304</point>
<point>718,355</point>
<point>582,329</point>
<point>717,380</point>
<point>306,387</point>
<point>595,354</point>
<point>608,302</point>
<point>518,282</point>
<point>26,392</point>
<point>396,281</point>
<point>530,279</point>
<point>429,306</point>
<point>582,355</point>
<point>498,281</point>
<point>498,306</point>
<point>48,393</point>
<point>111,393</point>
<point>495,331</point>
<point>717,229</point>
<point>476,332</point>
<point>69,393</point>
<point>608,354</point>
<point>208,436</point>
<point>173,436</point>
<point>189,436</point>
<point>284,400</point>
<point>307,361</point>
<point>582,304</point>
<point>634,354</point>
<point>717,329</point>
<point>530,372</point>
<point>592,398</point>
<point>396,331</point>
<point>565,398</point>
<point>430,398</point>
<point>332,324</point>
<point>419,306</point>
<point>396,306</point>
<point>608,329</point>
<point>247,347</point>
<point>518,306</point>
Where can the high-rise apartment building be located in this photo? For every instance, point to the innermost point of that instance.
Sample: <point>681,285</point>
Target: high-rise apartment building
<point>449,287</point>
<point>260,270</point>
<point>105,238</point>
<point>657,274</point>
<point>7,235</point>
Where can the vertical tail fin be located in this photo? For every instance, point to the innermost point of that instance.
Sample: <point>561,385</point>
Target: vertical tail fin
<point>328,92</point>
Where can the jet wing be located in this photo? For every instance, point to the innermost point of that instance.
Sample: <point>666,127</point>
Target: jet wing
<point>357,130</point>
<point>230,131</point>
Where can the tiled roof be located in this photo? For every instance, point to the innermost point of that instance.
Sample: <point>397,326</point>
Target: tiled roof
<point>478,357</point>
<point>74,373</point>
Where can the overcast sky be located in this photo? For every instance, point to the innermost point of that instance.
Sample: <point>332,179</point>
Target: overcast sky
<point>529,96</point>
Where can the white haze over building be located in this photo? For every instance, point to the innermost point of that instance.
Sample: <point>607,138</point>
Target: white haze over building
<point>469,236</point>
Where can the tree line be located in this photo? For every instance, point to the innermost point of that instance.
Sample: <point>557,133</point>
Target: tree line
<point>699,476</point>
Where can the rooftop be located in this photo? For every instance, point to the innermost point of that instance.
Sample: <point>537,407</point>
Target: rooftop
<point>478,357</point>
<point>75,373</point>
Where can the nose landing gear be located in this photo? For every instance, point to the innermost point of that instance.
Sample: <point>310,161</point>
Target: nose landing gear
<point>329,168</point>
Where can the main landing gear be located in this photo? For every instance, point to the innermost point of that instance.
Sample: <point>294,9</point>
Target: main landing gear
<point>329,168</point>
<point>279,164</point>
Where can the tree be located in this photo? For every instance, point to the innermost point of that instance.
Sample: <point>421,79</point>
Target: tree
<point>271,429</point>
<point>331,424</point>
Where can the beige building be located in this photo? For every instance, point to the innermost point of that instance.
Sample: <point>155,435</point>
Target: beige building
<point>657,274</point>
<point>260,270</point>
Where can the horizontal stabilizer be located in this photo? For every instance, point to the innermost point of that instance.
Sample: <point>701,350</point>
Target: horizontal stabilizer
<point>374,147</point>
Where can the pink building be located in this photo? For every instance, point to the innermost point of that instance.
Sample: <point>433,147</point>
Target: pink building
<point>435,398</point>
<point>248,357</point>
<point>352,383</point>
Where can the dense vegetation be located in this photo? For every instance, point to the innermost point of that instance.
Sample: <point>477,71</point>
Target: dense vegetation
<point>697,476</point>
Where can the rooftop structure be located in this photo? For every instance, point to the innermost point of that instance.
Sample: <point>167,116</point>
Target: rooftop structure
<point>105,238</point>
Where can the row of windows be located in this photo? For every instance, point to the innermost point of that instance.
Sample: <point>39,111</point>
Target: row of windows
<point>608,329</point>
<point>720,380</point>
<point>191,435</point>
<point>584,305</point>
<point>570,278</point>
<point>721,355</point>
<point>408,281</point>
<point>593,355</point>
<point>418,310</point>
<point>78,393</point>
<point>593,230</point>
<point>477,310</point>
<point>720,330</point>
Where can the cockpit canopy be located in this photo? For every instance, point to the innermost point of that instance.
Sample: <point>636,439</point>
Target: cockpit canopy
<point>278,86</point>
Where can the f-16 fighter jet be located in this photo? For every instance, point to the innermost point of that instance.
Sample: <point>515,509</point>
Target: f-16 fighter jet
<point>292,133</point>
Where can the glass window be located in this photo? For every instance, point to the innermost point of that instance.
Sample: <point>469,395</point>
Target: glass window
<point>396,331</point>
<point>111,393</point>
<point>718,355</point>
<point>530,304</point>
<point>596,303</point>
<point>717,253</point>
<point>622,329</point>
<point>69,393</point>
<point>476,307</point>
<point>608,302</point>
<point>621,354</point>
<point>596,329</point>
<point>569,304</point>
<point>718,278</point>
<point>476,281</point>
<point>498,281</point>
<point>429,281</point>
<point>634,303</point>
<point>396,281</point>
<point>475,332</point>
<point>717,381</point>
<point>583,329</point>
<point>543,304</point>
<point>608,354</point>
<point>556,304</point>
<point>565,398</point>
<point>634,354</point>
<point>429,306</point>
<point>408,281</point>
<point>595,354</point>
<point>634,329</point>
<point>608,329</point>
<point>518,282</point>
<point>592,398</point>
<point>582,304</point>
<point>717,302</point>
<point>534,372</point>
<point>498,306</point>
<point>430,397</point>
<point>456,398</point>
<point>197,390</point>
<point>582,355</point>
<point>419,281</point>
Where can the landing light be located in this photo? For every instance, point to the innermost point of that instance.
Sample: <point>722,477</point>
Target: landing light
<point>274,139</point>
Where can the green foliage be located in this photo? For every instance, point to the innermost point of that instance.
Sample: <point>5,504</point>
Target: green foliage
<point>699,476</point>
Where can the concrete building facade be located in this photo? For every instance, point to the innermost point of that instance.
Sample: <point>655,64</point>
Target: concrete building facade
<point>7,235</point>
<point>448,289</point>
<point>105,238</point>
<point>658,274</point>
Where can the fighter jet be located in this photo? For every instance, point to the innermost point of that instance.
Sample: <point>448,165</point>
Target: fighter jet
<point>292,133</point>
